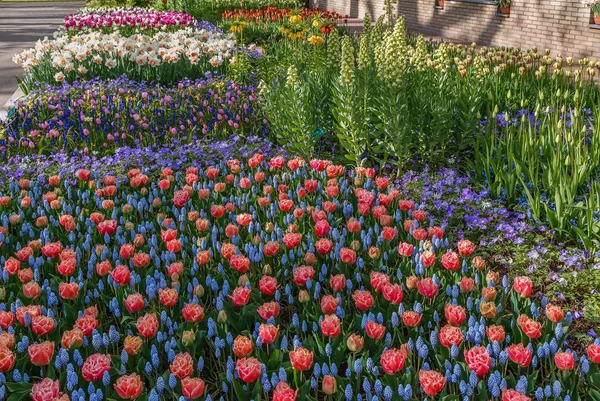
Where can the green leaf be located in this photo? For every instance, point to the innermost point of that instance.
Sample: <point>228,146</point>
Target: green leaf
<point>16,387</point>
<point>595,379</point>
<point>240,394</point>
<point>593,394</point>
<point>531,380</point>
<point>18,391</point>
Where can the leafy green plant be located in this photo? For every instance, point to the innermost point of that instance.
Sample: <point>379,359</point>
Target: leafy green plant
<point>292,108</point>
<point>551,158</point>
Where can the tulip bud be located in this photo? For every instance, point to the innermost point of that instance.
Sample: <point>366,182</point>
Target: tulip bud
<point>99,249</point>
<point>329,385</point>
<point>355,342</point>
<point>304,296</point>
<point>310,258</point>
<point>144,191</point>
<point>493,276</point>
<point>193,215</point>
<point>188,338</point>
<point>479,263</point>
<point>256,240</point>
<point>138,240</point>
<point>411,282</point>
<point>35,244</point>
<point>242,280</point>
<point>355,245</point>
<point>267,269</point>
<point>222,317</point>
<point>199,291</point>
<point>156,203</point>
<point>374,252</point>
<point>269,227</point>
<point>15,219</point>
<point>127,208</point>
<point>2,293</point>
<point>427,245</point>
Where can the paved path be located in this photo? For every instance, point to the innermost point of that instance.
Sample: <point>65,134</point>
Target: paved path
<point>21,25</point>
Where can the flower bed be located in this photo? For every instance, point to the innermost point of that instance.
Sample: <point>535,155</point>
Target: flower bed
<point>154,244</point>
<point>99,115</point>
<point>132,20</point>
<point>275,14</point>
<point>515,242</point>
<point>566,195</point>
<point>165,56</point>
<point>265,25</point>
<point>263,278</point>
<point>174,154</point>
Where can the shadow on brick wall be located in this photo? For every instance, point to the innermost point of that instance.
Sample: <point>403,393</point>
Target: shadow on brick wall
<point>468,22</point>
<point>561,26</point>
<point>353,8</point>
<point>442,25</point>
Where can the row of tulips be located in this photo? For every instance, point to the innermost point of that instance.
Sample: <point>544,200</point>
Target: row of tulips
<point>133,20</point>
<point>276,14</point>
<point>274,278</point>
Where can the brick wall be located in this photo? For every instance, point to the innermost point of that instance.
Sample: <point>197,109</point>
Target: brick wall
<point>560,25</point>
<point>352,8</point>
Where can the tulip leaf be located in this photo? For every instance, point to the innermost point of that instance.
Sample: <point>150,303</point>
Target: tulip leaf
<point>18,391</point>
<point>532,379</point>
<point>18,387</point>
<point>240,394</point>
<point>595,379</point>
<point>594,394</point>
<point>257,391</point>
<point>303,390</point>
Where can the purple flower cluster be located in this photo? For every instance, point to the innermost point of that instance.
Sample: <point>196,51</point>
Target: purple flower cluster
<point>516,119</point>
<point>99,115</point>
<point>208,26</point>
<point>454,195</point>
<point>198,153</point>
<point>455,200</point>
